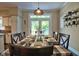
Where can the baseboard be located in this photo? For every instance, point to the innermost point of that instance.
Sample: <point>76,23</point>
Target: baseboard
<point>74,51</point>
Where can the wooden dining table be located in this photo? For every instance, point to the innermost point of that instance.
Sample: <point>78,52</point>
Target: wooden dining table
<point>58,50</point>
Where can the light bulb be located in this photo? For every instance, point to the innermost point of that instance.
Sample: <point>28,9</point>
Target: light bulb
<point>38,11</point>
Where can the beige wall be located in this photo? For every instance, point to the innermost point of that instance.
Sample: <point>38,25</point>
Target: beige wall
<point>25,21</point>
<point>55,20</point>
<point>73,31</point>
<point>19,21</point>
<point>13,24</point>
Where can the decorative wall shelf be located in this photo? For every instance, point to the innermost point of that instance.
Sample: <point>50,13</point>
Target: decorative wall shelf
<point>71,18</point>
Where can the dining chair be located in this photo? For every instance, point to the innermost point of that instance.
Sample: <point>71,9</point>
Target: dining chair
<point>16,50</point>
<point>15,38</point>
<point>23,35</point>
<point>56,36</point>
<point>64,40</point>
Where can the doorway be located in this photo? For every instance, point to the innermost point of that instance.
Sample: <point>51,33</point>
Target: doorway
<point>40,23</point>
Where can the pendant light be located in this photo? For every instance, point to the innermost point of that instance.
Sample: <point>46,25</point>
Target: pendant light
<point>38,11</point>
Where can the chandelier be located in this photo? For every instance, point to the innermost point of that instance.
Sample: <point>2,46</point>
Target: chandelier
<point>38,11</point>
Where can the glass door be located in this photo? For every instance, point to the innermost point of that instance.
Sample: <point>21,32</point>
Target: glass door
<point>40,25</point>
<point>45,27</point>
<point>34,26</point>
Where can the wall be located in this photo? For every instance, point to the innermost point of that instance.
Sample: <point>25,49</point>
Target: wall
<point>13,24</point>
<point>25,22</point>
<point>55,20</point>
<point>19,21</point>
<point>73,31</point>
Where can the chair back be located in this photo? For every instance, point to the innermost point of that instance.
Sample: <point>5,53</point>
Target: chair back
<point>64,40</point>
<point>28,51</point>
<point>56,35</point>
<point>15,38</point>
<point>46,51</point>
<point>23,35</point>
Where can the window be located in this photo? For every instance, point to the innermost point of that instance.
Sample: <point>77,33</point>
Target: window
<point>0,21</point>
<point>40,23</point>
<point>46,16</point>
<point>1,26</point>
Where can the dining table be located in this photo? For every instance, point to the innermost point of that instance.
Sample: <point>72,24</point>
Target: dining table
<point>29,41</point>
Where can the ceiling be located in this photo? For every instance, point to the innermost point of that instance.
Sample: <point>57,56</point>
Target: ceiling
<point>33,5</point>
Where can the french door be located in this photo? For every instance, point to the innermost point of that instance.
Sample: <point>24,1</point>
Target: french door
<point>40,25</point>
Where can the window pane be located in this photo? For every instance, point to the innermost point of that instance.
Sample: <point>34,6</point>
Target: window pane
<point>40,23</point>
<point>45,27</point>
<point>0,21</point>
<point>34,27</point>
<point>1,27</point>
<point>42,16</point>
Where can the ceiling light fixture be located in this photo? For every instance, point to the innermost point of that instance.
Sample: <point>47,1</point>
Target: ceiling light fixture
<point>38,11</point>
